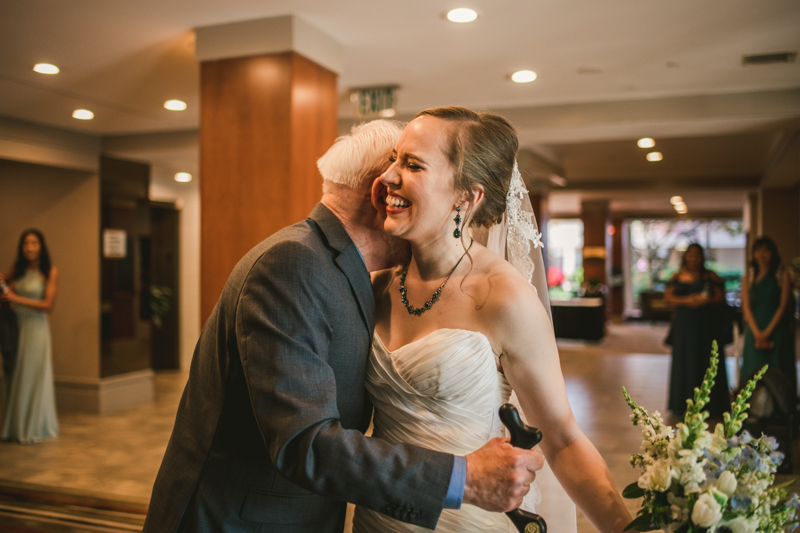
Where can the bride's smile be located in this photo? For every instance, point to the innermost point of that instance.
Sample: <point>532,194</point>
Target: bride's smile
<point>417,191</point>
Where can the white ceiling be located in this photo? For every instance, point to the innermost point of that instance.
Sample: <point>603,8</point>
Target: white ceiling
<point>670,70</point>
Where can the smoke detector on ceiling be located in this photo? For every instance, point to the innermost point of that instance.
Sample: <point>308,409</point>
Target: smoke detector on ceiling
<point>767,59</point>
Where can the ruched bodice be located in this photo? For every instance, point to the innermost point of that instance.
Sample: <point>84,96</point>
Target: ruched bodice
<point>442,392</point>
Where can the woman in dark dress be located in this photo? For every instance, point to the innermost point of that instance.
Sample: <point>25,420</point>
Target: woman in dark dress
<point>766,292</point>
<point>696,294</point>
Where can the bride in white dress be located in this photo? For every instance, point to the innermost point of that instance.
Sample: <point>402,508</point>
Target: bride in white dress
<point>459,327</point>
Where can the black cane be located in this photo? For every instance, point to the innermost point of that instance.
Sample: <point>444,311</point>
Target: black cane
<point>522,436</point>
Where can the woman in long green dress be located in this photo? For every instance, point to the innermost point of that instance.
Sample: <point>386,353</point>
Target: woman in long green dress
<point>29,409</point>
<point>766,292</point>
<point>696,294</point>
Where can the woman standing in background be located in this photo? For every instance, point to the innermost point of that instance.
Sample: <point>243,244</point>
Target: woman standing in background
<point>696,294</point>
<point>29,413</point>
<point>766,291</point>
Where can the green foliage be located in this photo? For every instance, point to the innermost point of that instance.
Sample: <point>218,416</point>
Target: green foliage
<point>159,303</point>
<point>733,420</point>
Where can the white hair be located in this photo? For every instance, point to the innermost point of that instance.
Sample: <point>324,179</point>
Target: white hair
<point>360,155</point>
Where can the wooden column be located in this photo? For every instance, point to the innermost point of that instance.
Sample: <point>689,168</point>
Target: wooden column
<point>616,285</point>
<point>264,122</point>
<point>594,215</point>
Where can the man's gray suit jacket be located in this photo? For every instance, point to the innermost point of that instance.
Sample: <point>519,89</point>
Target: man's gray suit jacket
<point>269,431</point>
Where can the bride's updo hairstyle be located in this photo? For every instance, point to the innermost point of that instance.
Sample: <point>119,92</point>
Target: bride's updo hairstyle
<point>481,149</point>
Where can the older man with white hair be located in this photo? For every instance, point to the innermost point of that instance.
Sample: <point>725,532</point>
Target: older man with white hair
<point>269,432</point>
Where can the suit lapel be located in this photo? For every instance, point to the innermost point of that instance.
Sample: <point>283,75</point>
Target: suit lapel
<point>349,261</point>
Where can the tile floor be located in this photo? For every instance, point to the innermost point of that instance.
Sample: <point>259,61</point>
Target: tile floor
<point>119,454</point>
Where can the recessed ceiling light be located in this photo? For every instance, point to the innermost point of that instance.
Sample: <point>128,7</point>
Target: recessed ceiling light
<point>45,68</point>
<point>175,105</point>
<point>461,15</point>
<point>654,156</point>
<point>646,142</point>
<point>82,114</point>
<point>183,177</point>
<point>675,200</point>
<point>523,76</point>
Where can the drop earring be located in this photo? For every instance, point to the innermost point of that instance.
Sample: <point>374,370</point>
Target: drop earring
<point>457,232</point>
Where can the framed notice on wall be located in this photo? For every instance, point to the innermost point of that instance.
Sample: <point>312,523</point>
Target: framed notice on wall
<point>115,244</point>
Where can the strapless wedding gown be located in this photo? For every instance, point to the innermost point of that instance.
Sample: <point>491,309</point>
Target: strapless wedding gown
<point>443,392</point>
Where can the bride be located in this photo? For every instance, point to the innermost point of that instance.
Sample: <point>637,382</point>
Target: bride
<point>457,328</point>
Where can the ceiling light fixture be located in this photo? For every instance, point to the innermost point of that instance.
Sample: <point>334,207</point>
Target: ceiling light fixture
<point>175,105</point>
<point>461,15</point>
<point>183,177</point>
<point>682,210</point>
<point>646,142</point>
<point>654,156</point>
<point>523,76</point>
<point>675,200</point>
<point>82,114</point>
<point>45,68</point>
<point>387,113</point>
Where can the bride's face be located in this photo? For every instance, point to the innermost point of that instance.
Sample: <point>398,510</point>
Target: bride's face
<point>417,191</point>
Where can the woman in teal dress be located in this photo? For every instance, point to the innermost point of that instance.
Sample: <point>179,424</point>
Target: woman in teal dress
<point>29,407</point>
<point>766,292</point>
<point>696,294</point>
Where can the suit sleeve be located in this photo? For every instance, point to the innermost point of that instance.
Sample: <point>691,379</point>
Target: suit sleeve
<point>284,338</point>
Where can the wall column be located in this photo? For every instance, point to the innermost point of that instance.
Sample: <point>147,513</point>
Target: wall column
<point>616,283</point>
<point>268,112</point>
<point>595,217</point>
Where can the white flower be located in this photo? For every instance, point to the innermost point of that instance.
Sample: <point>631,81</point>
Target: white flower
<point>660,476</point>
<point>740,525</point>
<point>726,483</point>
<point>707,511</point>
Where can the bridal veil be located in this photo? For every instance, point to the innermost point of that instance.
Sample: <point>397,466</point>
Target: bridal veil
<point>518,240</point>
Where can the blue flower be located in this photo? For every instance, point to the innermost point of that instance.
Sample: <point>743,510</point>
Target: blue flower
<point>746,437</point>
<point>776,458</point>
<point>713,466</point>
<point>733,441</point>
<point>740,502</point>
<point>771,442</point>
<point>794,501</point>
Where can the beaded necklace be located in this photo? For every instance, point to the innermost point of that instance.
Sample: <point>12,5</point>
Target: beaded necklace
<point>419,310</point>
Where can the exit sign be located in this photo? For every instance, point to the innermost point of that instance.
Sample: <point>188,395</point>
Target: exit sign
<point>375,101</point>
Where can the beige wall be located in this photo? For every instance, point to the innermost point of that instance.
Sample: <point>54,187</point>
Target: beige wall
<point>65,206</point>
<point>780,219</point>
<point>186,197</point>
<point>778,212</point>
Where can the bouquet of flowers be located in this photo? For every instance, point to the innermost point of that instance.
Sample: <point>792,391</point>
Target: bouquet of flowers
<point>693,481</point>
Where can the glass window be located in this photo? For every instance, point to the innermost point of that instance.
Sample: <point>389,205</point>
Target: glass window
<point>656,247</point>
<point>564,258</point>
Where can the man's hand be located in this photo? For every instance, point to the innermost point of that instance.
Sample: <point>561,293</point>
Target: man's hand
<point>499,475</point>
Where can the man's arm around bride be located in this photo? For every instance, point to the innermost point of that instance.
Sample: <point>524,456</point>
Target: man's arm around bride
<point>269,432</point>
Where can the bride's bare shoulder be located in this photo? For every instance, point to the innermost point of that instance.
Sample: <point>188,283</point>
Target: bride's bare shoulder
<point>509,293</point>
